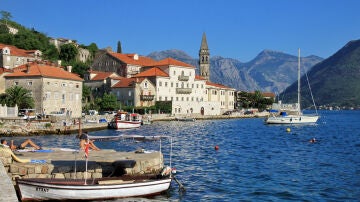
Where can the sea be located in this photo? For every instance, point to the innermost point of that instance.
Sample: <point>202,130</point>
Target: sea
<point>253,161</point>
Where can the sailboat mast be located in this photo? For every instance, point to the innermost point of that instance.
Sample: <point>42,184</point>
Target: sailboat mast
<point>299,108</point>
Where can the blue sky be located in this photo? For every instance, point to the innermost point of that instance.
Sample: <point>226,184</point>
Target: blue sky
<point>234,28</point>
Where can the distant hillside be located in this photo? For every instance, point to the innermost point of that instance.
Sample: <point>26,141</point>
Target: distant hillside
<point>334,82</point>
<point>269,71</point>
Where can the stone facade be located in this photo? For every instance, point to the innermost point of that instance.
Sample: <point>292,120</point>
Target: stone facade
<point>55,90</point>
<point>135,92</point>
<point>11,56</point>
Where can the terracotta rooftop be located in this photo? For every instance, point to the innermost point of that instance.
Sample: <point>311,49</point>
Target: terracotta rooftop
<point>129,59</point>
<point>216,85</point>
<point>155,71</point>
<point>44,71</point>
<point>17,51</point>
<point>171,61</point>
<point>103,75</point>
<point>127,82</point>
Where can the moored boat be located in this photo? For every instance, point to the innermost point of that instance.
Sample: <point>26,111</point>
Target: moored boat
<point>92,189</point>
<point>124,120</point>
<point>298,117</point>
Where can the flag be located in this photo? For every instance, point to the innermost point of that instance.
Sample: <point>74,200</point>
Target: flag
<point>87,150</point>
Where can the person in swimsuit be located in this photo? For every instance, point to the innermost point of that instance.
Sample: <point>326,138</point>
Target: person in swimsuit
<point>84,138</point>
<point>13,147</point>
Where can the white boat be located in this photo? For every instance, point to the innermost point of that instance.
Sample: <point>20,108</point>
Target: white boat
<point>99,188</point>
<point>124,120</point>
<point>93,189</point>
<point>298,117</point>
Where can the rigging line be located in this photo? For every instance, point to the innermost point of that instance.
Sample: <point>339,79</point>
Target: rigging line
<point>312,97</point>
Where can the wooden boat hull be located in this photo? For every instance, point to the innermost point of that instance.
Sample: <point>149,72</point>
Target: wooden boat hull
<point>291,119</point>
<point>125,124</point>
<point>60,189</point>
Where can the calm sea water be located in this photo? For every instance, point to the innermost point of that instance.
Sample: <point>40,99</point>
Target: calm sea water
<point>255,162</point>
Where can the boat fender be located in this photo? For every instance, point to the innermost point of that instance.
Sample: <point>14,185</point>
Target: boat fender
<point>166,171</point>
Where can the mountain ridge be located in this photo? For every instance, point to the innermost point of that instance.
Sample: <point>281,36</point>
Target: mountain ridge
<point>257,74</point>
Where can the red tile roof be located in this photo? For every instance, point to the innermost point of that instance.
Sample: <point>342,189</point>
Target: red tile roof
<point>127,82</point>
<point>197,77</point>
<point>44,71</point>
<point>104,75</point>
<point>171,61</point>
<point>17,51</point>
<point>216,85</point>
<point>155,71</point>
<point>129,59</point>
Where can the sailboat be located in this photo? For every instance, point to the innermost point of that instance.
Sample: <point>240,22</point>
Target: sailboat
<point>298,117</point>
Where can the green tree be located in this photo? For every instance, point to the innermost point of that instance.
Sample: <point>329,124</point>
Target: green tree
<point>119,49</point>
<point>109,102</point>
<point>80,68</point>
<point>6,16</point>
<point>51,53</point>
<point>68,52</point>
<point>19,96</point>
<point>86,93</point>
<point>4,29</point>
<point>92,49</point>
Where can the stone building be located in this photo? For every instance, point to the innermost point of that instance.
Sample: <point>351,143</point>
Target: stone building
<point>100,82</point>
<point>53,88</point>
<point>11,56</point>
<point>83,54</point>
<point>135,92</point>
<point>125,65</point>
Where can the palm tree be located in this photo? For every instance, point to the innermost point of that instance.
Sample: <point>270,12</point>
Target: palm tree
<point>19,96</point>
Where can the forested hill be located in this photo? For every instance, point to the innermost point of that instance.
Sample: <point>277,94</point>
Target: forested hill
<point>334,81</point>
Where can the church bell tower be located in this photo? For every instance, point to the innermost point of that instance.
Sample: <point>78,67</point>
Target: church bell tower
<point>204,59</point>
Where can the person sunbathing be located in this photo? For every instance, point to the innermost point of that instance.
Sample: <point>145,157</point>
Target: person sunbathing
<point>23,145</point>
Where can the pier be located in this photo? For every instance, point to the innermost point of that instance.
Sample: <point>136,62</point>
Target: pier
<point>69,164</point>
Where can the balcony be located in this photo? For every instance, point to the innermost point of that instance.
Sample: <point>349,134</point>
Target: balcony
<point>183,90</point>
<point>147,97</point>
<point>183,78</point>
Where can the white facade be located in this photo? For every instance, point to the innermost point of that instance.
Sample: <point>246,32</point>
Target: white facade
<point>189,95</point>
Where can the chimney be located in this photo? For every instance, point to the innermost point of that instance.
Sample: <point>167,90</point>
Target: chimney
<point>27,68</point>
<point>58,64</point>
<point>69,68</point>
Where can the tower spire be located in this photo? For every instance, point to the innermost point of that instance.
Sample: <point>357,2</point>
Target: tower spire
<point>204,58</point>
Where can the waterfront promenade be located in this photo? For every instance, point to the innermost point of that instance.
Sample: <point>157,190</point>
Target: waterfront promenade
<point>18,127</point>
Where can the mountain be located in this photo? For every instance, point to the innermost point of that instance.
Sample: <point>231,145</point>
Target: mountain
<point>334,81</point>
<point>269,71</point>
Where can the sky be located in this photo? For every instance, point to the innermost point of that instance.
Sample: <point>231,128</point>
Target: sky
<point>238,29</point>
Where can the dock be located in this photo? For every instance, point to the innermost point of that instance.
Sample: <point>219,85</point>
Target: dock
<point>70,164</point>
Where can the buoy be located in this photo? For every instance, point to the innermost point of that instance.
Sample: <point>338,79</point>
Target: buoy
<point>288,130</point>
<point>216,147</point>
<point>173,170</point>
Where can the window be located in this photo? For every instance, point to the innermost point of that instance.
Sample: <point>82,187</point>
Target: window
<point>77,86</point>
<point>166,84</point>
<point>160,84</point>
<point>177,85</point>
<point>16,83</point>
<point>146,84</point>
<point>129,93</point>
<point>63,98</point>
<point>30,83</point>
<point>63,85</point>
<point>172,85</point>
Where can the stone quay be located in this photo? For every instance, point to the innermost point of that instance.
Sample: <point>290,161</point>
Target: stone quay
<point>71,164</point>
